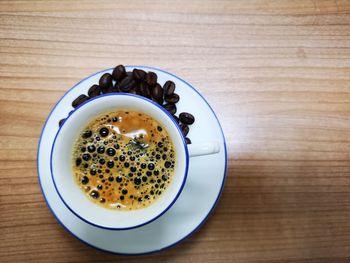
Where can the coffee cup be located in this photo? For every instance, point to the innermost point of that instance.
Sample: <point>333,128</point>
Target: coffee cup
<point>71,194</point>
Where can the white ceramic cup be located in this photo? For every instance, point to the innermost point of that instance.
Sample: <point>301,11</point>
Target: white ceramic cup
<point>74,198</point>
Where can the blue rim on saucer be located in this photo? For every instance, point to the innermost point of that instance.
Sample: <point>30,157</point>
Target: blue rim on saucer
<point>183,144</point>
<point>194,230</point>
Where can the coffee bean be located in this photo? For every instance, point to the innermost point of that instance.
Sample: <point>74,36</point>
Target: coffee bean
<point>186,118</point>
<point>169,88</point>
<point>138,74</point>
<point>60,123</point>
<point>119,73</point>
<point>184,129</point>
<point>157,92</point>
<point>126,84</point>
<point>133,90</point>
<point>94,91</point>
<point>111,89</point>
<point>173,98</point>
<point>170,107</point>
<point>188,141</point>
<point>151,78</point>
<point>144,90</point>
<point>160,101</point>
<point>105,82</point>
<point>81,99</point>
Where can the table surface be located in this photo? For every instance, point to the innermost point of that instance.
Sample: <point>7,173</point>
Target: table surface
<point>276,72</point>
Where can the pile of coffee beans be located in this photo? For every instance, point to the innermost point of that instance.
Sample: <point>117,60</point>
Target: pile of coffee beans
<point>141,83</point>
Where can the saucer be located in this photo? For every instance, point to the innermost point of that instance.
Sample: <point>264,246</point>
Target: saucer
<point>205,181</point>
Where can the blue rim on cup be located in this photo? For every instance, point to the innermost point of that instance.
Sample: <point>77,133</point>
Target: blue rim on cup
<point>69,191</point>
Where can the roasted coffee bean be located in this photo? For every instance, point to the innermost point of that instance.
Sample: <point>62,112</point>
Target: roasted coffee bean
<point>116,87</point>
<point>126,84</point>
<point>94,91</point>
<point>188,141</point>
<point>184,129</point>
<point>119,73</point>
<point>81,99</point>
<point>138,74</point>
<point>105,81</point>
<point>60,123</point>
<point>173,98</point>
<point>157,92</point>
<point>186,118</point>
<point>170,107</point>
<point>144,90</point>
<point>160,101</point>
<point>151,78</point>
<point>133,90</point>
<point>110,89</point>
<point>169,88</point>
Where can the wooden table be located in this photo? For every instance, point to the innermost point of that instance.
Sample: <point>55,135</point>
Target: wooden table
<point>276,72</point>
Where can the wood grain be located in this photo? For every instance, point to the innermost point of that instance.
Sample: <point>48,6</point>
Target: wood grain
<point>276,72</point>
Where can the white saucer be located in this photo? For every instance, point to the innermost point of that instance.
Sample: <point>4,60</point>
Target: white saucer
<point>203,187</point>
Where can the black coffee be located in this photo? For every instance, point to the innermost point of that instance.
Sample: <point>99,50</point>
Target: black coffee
<point>124,160</point>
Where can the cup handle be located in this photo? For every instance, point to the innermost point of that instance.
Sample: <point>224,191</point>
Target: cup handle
<point>203,148</point>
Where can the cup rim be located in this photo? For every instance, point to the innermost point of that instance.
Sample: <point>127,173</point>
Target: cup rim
<point>183,144</point>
